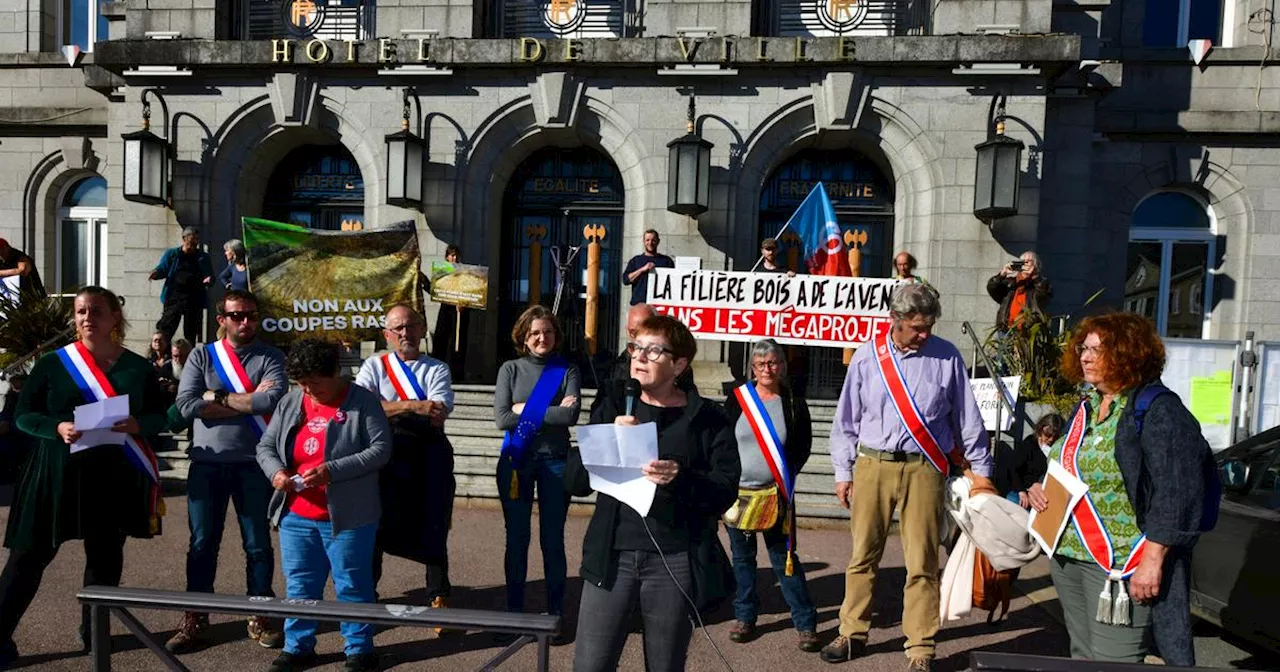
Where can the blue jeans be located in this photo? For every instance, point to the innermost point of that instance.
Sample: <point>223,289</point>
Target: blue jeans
<point>308,551</point>
<point>209,487</point>
<point>547,473</point>
<point>746,604</point>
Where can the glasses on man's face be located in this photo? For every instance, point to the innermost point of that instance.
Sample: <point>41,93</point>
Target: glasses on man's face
<point>404,328</point>
<point>1095,350</point>
<point>652,352</point>
<point>766,364</point>
<point>241,315</point>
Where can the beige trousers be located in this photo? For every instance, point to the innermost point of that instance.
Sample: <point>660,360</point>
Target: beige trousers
<point>878,487</point>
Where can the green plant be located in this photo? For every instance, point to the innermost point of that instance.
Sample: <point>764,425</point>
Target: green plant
<point>1032,348</point>
<point>33,322</point>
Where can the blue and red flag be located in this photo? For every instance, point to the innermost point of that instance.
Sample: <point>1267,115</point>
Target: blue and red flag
<point>815,223</point>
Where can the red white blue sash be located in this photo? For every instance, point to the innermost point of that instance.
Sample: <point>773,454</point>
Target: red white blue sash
<point>766,436</point>
<point>1085,517</point>
<point>905,404</point>
<point>402,378</point>
<point>231,373</point>
<point>93,384</point>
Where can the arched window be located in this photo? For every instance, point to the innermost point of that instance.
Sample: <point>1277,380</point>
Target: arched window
<point>82,235</point>
<point>1171,249</point>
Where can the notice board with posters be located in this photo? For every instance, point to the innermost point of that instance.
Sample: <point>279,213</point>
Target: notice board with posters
<point>1203,374</point>
<point>1266,379</point>
<point>742,306</point>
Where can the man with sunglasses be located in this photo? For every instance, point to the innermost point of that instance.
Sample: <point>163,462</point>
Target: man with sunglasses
<point>228,389</point>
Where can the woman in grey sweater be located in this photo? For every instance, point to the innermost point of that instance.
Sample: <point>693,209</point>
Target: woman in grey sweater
<point>322,451</point>
<point>535,403</point>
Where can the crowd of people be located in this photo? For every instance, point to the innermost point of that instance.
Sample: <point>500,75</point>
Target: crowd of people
<point>350,470</point>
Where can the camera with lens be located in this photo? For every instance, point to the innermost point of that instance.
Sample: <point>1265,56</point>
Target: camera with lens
<point>1016,265</point>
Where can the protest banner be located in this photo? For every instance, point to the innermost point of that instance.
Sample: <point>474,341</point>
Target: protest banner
<point>806,309</point>
<point>462,285</point>
<point>335,285</point>
<point>988,397</point>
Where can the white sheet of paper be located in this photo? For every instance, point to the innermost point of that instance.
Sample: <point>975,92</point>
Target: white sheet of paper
<point>1076,487</point>
<point>615,455</point>
<point>94,421</point>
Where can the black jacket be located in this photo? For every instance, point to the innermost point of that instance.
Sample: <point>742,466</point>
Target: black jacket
<point>1001,290</point>
<point>795,413</point>
<point>1018,467</point>
<point>1166,470</point>
<point>706,486</point>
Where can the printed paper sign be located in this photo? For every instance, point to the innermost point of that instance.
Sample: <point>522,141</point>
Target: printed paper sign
<point>806,309</point>
<point>988,396</point>
<point>459,284</point>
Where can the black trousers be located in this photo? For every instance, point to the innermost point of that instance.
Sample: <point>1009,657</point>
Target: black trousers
<point>20,580</point>
<point>187,309</point>
<point>437,579</point>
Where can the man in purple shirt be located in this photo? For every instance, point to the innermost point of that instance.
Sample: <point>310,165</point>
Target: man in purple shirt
<point>892,470</point>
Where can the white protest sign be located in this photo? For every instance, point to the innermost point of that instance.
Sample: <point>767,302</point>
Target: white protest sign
<point>805,309</point>
<point>988,396</point>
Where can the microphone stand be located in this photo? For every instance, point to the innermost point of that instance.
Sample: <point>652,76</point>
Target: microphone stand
<point>563,265</point>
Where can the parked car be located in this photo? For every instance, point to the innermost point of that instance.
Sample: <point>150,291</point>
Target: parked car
<point>1233,570</point>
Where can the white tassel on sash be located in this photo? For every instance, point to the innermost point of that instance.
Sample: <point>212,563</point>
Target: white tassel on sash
<point>1120,610</point>
<point>1105,605</point>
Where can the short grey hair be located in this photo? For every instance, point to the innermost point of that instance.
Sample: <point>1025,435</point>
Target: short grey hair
<point>766,347</point>
<point>236,247</point>
<point>182,344</point>
<point>915,299</point>
<point>190,231</point>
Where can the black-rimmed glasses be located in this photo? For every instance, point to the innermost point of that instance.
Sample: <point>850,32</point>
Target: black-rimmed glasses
<point>652,352</point>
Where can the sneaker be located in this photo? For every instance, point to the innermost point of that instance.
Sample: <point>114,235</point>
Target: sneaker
<point>190,630</point>
<point>842,649</point>
<point>742,632</point>
<point>440,602</point>
<point>807,641</point>
<point>263,631</point>
<point>362,662</point>
<point>919,665</point>
<point>288,662</point>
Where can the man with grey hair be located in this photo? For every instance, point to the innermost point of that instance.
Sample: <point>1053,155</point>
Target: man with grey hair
<point>1021,291</point>
<point>905,405</point>
<point>186,272</point>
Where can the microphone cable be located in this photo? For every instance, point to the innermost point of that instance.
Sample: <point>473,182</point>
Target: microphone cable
<point>692,606</point>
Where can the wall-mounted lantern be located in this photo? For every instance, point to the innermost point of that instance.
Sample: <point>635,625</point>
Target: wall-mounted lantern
<point>689,171</point>
<point>406,162</point>
<point>146,159</point>
<point>998,172</point>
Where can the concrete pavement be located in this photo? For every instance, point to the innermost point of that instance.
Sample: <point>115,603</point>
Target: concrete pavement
<point>47,636</point>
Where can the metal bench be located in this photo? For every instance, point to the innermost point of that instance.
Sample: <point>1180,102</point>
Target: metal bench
<point>992,661</point>
<point>104,602</point>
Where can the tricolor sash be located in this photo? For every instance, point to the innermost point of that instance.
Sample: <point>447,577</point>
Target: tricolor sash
<point>1089,526</point>
<point>905,404</point>
<point>771,447</point>
<point>516,442</point>
<point>402,378</point>
<point>93,384</point>
<point>231,373</point>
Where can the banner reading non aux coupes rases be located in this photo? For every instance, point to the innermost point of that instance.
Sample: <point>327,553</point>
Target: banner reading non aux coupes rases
<point>335,285</point>
<point>805,309</point>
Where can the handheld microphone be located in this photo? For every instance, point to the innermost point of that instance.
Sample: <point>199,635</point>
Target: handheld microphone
<point>632,391</point>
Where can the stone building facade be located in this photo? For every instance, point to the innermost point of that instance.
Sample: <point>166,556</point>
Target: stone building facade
<point>544,117</point>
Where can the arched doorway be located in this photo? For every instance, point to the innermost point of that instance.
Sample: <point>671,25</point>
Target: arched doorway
<point>553,196</point>
<point>317,186</point>
<point>863,199</point>
<point>1171,247</point>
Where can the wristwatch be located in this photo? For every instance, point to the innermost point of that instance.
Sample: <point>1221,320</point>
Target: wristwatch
<point>220,397</point>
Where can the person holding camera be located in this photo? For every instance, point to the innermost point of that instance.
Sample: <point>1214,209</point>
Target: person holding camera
<point>1021,291</point>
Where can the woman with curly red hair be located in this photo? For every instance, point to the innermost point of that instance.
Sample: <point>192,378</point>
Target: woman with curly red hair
<point>1152,490</point>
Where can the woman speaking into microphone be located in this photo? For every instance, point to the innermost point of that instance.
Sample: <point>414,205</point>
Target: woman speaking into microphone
<point>672,556</point>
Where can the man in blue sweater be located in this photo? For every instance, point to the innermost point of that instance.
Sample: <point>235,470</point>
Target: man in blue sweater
<point>636,273</point>
<point>227,389</point>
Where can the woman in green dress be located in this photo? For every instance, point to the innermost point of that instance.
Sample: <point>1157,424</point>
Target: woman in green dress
<point>102,494</point>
